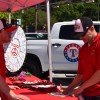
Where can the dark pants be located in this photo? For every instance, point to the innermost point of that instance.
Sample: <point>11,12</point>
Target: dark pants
<point>92,97</point>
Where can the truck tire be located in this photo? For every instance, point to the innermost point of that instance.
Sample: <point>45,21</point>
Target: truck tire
<point>33,68</point>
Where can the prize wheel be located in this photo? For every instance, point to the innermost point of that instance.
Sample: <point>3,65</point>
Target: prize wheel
<point>15,51</point>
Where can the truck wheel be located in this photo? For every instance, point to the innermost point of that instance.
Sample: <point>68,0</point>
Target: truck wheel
<point>33,68</point>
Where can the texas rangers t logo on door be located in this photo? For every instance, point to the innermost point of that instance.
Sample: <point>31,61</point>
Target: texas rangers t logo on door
<point>71,52</point>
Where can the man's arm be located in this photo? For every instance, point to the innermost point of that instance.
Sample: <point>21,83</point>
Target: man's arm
<point>95,78</point>
<point>4,88</point>
<point>76,82</point>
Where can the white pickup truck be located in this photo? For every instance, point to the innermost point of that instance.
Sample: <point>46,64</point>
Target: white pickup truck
<point>64,48</point>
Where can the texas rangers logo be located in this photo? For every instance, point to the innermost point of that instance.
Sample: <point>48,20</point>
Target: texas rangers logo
<point>71,52</point>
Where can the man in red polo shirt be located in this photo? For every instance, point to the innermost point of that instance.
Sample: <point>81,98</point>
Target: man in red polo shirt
<point>88,76</point>
<point>5,92</point>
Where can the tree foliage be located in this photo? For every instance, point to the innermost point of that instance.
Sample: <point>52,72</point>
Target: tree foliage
<point>4,15</point>
<point>60,12</point>
<point>72,11</point>
<point>29,16</point>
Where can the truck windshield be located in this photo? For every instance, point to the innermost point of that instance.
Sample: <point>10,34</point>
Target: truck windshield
<point>36,36</point>
<point>67,32</point>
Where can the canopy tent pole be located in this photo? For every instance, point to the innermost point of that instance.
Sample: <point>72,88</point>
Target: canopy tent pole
<point>9,18</point>
<point>36,13</point>
<point>49,39</point>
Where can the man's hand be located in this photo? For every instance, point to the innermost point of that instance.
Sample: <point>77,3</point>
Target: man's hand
<point>13,87</point>
<point>19,97</point>
<point>78,91</point>
<point>62,90</point>
<point>13,96</point>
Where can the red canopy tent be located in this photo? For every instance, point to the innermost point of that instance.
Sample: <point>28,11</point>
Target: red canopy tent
<point>15,5</point>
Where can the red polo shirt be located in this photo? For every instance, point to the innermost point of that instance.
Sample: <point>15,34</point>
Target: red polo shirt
<point>2,70</point>
<point>2,63</point>
<point>89,63</point>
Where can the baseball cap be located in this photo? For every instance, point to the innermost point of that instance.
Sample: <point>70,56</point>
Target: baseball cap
<point>82,25</point>
<point>6,26</point>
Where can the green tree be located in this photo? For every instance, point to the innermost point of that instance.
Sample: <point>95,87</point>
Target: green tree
<point>59,12</point>
<point>68,12</point>
<point>4,15</point>
<point>28,16</point>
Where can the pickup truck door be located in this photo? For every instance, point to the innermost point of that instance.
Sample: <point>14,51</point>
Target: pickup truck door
<point>65,53</point>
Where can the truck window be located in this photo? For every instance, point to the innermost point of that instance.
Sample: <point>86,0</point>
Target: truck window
<point>97,28</point>
<point>33,36</point>
<point>67,32</point>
